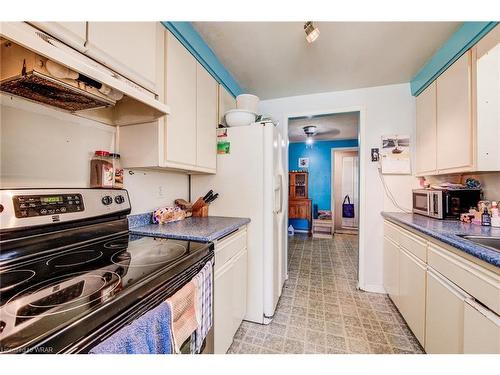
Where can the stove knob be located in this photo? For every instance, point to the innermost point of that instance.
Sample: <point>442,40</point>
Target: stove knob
<point>119,199</point>
<point>107,200</point>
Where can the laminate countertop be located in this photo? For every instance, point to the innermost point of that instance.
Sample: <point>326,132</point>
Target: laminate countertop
<point>449,231</point>
<point>201,229</point>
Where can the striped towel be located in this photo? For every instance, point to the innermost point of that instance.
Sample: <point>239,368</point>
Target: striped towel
<point>203,281</point>
<point>184,321</point>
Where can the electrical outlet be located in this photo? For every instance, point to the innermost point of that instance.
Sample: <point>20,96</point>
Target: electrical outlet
<point>161,191</point>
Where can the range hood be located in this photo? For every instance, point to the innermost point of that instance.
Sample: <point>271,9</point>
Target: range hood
<point>39,68</point>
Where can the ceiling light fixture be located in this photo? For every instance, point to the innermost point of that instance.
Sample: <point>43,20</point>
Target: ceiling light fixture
<point>310,131</point>
<point>312,32</point>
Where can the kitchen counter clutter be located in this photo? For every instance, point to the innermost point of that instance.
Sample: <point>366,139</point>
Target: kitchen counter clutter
<point>202,229</point>
<point>450,232</point>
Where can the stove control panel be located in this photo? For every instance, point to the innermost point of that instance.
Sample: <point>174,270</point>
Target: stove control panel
<point>40,205</point>
<point>21,208</point>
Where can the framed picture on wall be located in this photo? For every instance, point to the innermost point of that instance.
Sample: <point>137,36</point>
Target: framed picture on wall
<point>303,162</point>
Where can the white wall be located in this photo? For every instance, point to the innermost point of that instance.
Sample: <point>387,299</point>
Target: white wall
<point>384,110</point>
<point>43,147</point>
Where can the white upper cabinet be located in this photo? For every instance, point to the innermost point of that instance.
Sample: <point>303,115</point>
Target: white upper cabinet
<point>458,114</point>
<point>186,139</point>
<point>454,129</point>
<point>488,101</point>
<point>73,34</point>
<point>180,94</point>
<point>132,49</point>
<point>206,119</point>
<point>426,131</point>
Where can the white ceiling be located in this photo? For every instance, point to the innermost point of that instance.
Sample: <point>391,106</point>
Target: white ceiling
<point>273,59</point>
<point>328,127</point>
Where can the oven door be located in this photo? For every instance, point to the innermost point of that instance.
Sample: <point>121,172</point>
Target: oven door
<point>421,202</point>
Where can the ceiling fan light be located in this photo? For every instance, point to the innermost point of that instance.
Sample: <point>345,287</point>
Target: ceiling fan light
<point>312,32</point>
<point>309,141</point>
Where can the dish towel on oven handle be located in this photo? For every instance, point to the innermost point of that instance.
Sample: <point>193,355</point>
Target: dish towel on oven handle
<point>203,281</point>
<point>149,334</point>
<point>184,321</point>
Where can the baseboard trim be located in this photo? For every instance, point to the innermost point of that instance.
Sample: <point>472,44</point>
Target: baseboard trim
<point>373,288</point>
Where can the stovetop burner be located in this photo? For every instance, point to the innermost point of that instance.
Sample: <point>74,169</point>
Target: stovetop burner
<point>158,251</point>
<point>61,294</point>
<point>12,279</point>
<point>116,244</point>
<point>75,258</point>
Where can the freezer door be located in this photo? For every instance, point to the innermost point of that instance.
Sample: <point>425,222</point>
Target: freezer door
<point>274,270</point>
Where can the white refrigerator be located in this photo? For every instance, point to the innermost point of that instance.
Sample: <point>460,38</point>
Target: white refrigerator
<point>251,183</point>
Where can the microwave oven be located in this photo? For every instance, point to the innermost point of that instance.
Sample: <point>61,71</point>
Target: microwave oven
<point>444,204</point>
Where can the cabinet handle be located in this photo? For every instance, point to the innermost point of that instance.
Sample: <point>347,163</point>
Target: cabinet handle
<point>487,313</point>
<point>448,285</point>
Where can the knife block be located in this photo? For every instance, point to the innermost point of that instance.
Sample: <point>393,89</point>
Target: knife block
<point>201,212</point>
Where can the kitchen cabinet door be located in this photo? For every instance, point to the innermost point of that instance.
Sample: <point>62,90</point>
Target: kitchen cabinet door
<point>73,34</point>
<point>454,119</point>
<point>206,119</point>
<point>180,94</point>
<point>481,329</point>
<point>412,275</point>
<point>444,326</point>
<point>132,49</point>
<point>223,308</point>
<point>391,270</point>
<point>426,131</point>
<point>239,289</point>
<point>226,103</point>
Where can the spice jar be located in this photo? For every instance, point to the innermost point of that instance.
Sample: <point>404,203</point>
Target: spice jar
<point>101,170</point>
<point>118,170</point>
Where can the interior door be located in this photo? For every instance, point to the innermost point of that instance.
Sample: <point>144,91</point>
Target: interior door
<point>346,182</point>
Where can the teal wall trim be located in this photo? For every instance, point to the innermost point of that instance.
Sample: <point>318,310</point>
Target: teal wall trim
<point>194,43</point>
<point>462,40</point>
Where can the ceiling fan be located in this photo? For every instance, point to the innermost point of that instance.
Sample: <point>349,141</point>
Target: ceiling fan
<point>312,130</point>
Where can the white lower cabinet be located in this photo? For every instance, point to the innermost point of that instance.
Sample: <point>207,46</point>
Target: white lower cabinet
<point>391,270</point>
<point>481,329</point>
<point>412,292</point>
<point>450,303</point>
<point>223,306</point>
<point>444,316</point>
<point>230,288</point>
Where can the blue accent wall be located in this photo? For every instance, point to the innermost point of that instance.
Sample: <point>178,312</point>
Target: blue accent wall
<point>461,41</point>
<point>194,43</point>
<point>320,171</point>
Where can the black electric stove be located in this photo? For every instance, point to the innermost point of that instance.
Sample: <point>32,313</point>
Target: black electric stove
<point>70,278</point>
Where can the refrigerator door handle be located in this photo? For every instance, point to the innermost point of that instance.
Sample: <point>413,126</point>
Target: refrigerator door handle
<point>281,194</point>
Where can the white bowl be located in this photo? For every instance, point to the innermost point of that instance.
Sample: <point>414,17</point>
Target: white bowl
<point>248,102</point>
<point>239,117</point>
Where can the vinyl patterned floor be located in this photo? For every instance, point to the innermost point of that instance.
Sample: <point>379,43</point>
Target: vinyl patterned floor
<point>321,311</point>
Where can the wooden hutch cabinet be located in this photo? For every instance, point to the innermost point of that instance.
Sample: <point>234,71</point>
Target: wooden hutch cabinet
<point>299,204</point>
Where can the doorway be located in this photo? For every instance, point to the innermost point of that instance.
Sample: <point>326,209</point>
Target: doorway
<point>345,190</point>
<point>325,145</point>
